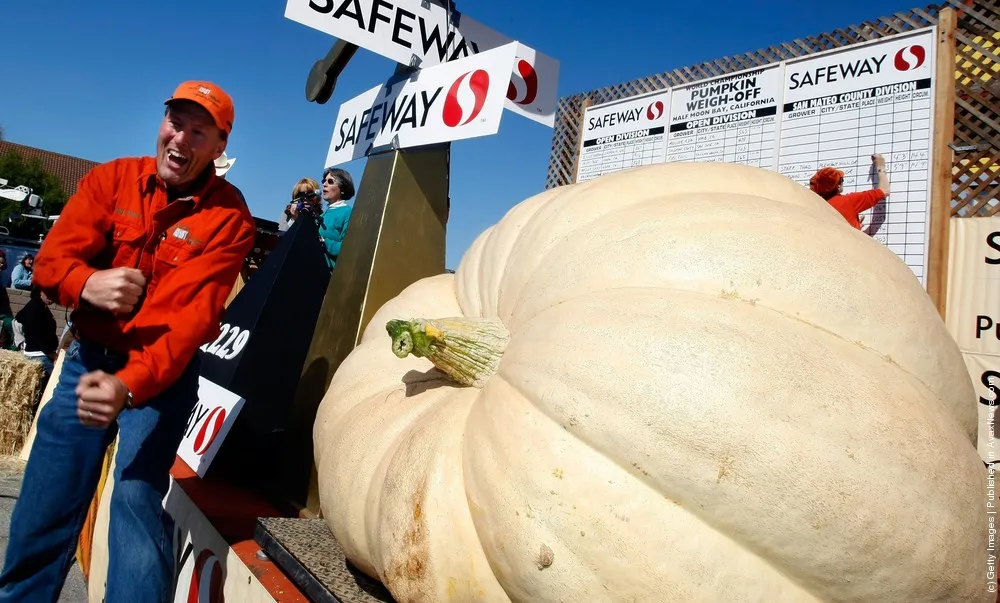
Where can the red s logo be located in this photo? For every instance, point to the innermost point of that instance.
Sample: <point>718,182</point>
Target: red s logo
<point>209,429</point>
<point>206,580</point>
<point>454,112</point>
<point>654,111</point>
<point>910,57</point>
<point>523,87</point>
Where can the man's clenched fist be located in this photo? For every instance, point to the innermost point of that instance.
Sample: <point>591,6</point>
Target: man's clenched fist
<point>100,397</point>
<point>116,290</point>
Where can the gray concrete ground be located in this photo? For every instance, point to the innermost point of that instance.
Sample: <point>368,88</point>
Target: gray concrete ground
<point>75,590</point>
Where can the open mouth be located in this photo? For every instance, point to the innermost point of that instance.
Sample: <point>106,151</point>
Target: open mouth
<point>176,160</point>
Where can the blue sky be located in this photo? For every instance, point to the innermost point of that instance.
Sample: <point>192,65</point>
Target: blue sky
<point>89,78</point>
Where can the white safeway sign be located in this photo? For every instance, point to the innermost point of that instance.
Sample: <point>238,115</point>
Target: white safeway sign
<point>455,100</point>
<point>403,29</point>
<point>208,424</point>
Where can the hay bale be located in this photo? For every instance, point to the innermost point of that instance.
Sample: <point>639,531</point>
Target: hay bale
<point>20,387</point>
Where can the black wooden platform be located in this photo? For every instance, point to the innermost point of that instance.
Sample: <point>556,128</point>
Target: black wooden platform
<point>311,557</point>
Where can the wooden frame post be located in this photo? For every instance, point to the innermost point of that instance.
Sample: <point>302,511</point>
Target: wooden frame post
<point>943,160</point>
<point>587,102</point>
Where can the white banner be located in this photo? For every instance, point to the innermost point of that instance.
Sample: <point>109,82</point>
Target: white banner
<point>972,315</point>
<point>452,101</point>
<point>403,29</point>
<point>208,424</point>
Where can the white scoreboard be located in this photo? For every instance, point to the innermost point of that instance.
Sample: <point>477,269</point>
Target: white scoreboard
<point>624,134</point>
<point>835,108</point>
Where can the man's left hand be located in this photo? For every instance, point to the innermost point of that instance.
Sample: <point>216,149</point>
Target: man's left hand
<point>100,398</point>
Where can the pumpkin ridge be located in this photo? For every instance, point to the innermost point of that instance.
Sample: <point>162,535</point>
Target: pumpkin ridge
<point>883,357</point>
<point>346,432</point>
<point>735,297</point>
<point>667,497</point>
<point>684,199</point>
<point>530,389</point>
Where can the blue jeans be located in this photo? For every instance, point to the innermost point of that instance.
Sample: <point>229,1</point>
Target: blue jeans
<point>47,364</point>
<point>62,475</point>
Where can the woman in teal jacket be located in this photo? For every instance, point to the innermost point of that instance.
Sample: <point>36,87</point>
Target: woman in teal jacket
<point>338,186</point>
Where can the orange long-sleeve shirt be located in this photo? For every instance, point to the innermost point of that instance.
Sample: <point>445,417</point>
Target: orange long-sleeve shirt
<point>850,205</point>
<point>190,251</point>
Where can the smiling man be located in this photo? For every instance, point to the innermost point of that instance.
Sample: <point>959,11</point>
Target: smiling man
<point>146,252</point>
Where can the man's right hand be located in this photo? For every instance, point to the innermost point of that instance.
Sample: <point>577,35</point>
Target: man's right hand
<point>878,160</point>
<point>116,290</point>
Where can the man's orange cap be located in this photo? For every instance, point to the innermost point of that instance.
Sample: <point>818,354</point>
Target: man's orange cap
<point>826,180</point>
<point>213,98</point>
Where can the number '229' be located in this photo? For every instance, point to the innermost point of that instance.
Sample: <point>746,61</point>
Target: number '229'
<point>232,346</point>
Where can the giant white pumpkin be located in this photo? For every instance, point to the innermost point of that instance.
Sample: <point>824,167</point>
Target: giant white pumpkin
<point>711,388</point>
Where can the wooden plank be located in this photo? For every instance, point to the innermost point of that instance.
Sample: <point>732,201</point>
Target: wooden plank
<point>860,33</point>
<point>983,112</point>
<point>913,23</point>
<point>972,171</point>
<point>989,9</point>
<point>985,198</point>
<point>929,17</point>
<point>970,40</point>
<point>975,112</point>
<point>986,135</point>
<point>944,127</point>
<point>978,16</point>
<point>962,137</point>
<point>576,162</point>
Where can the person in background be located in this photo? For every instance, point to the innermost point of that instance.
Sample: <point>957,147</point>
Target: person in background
<point>39,328</point>
<point>829,184</point>
<point>223,164</point>
<point>147,294</point>
<point>20,278</point>
<point>4,277</point>
<point>305,201</point>
<point>6,323</point>
<point>338,187</point>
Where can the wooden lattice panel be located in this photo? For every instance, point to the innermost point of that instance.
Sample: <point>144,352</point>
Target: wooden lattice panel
<point>976,173</point>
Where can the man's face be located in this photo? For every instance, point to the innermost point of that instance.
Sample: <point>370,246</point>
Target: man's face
<point>189,140</point>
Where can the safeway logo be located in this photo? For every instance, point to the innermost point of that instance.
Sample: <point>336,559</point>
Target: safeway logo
<point>209,430</point>
<point>910,58</point>
<point>523,87</point>
<point>207,579</point>
<point>654,111</point>
<point>466,98</point>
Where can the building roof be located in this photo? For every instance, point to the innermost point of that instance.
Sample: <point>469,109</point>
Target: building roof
<point>68,169</point>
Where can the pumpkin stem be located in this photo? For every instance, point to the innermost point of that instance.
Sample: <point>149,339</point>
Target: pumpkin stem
<point>468,350</point>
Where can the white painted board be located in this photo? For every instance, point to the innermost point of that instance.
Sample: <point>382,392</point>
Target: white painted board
<point>452,101</point>
<point>841,107</point>
<point>835,108</point>
<point>623,135</point>
<point>427,34</point>
<point>732,118</point>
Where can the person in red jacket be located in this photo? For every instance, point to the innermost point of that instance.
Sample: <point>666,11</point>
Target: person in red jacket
<point>145,252</point>
<point>829,184</point>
